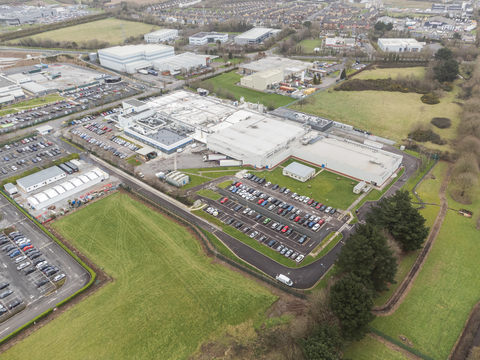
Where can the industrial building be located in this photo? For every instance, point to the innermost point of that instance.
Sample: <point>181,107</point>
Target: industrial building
<point>299,172</point>
<point>42,178</point>
<point>263,79</point>
<point>44,129</point>
<point>400,45</point>
<point>35,89</point>
<point>132,58</point>
<point>10,91</point>
<point>161,35</point>
<point>203,38</point>
<point>176,178</point>
<point>339,43</point>
<point>21,15</point>
<point>255,35</point>
<point>72,185</point>
<point>289,67</point>
<point>11,189</point>
<point>182,62</point>
<point>132,111</point>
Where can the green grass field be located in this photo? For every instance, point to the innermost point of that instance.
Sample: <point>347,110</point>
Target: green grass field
<point>227,81</point>
<point>233,60</point>
<point>418,72</point>
<point>371,349</point>
<point>310,44</point>
<point>384,113</point>
<point>103,30</point>
<point>24,105</point>
<point>434,312</point>
<point>325,187</point>
<point>167,297</point>
<point>209,194</point>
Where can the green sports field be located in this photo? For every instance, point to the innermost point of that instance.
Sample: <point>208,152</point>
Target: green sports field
<point>109,30</point>
<point>167,297</point>
<point>371,349</point>
<point>377,73</point>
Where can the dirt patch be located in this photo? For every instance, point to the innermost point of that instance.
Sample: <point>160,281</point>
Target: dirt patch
<point>395,347</point>
<point>458,197</point>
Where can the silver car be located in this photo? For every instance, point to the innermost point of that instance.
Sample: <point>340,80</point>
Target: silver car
<point>23,265</point>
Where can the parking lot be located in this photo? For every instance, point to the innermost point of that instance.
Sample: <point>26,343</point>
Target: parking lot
<point>28,154</point>
<point>290,225</point>
<point>23,280</point>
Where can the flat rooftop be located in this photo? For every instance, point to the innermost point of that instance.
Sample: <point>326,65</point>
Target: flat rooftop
<point>160,32</point>
<point>278,63</point>
<point>4,82</point>
<point>166,137</point>
<point>204,33</point>
<point>352,154</point>
<point>257,134</point>
<point>191,108</point>
<point>134,49</point>
<point>134,102</point>
<point>254,33</point>
<point>399,42</point>
<point>40,176</point>
<point>299,169</point>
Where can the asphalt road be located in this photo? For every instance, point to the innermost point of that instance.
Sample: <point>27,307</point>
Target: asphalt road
<point>24,286</point>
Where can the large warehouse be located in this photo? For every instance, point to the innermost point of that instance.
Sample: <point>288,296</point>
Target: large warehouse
<point>132,58</point>
<point>203,38</point>
<point>161,35</point>
<point>400,45</point>
<point>42,178</point>
<point>185,61</point>
<point>288,66</point>
<point>255,35</point>
<point>261,80</point>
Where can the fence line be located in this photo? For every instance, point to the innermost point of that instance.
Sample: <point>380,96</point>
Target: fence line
<point>212,249</point>
<point>422,203</point>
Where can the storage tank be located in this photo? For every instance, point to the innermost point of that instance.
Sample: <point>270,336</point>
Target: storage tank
<point>93,56</point>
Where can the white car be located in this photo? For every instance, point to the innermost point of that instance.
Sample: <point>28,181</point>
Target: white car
<point>307,199</point>
<point>14,168</point>
<point>294,195</point>
<point>20,259</point>
<point>268,184</point>
<point>315,227</point>
<point>58,277</point>
<point>23,265</point>
<point>299,258</point>
<point>41,264</point>
<point>246,210</point>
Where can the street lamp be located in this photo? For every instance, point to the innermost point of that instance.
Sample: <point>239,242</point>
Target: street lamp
<point>323,269</point>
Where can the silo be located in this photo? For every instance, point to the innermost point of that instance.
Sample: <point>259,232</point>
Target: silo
<point>93,56</point>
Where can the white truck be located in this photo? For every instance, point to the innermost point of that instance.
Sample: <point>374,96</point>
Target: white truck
<point>212,157</point>
<point>284,279</point>
<point>230,162</point>
<point>144,72</point>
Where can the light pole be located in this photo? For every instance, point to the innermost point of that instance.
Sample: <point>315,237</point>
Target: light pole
<point>323,269</point>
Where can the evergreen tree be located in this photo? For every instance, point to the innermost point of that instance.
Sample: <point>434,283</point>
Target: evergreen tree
<point>401,219</point>
<point>343,75</point>
<point>324,343</point>
<point>352,303</point>
<point>366,254</point>
<point>230,55</point>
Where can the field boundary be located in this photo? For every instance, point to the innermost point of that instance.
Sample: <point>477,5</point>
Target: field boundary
<point>403,289</point>
<point>465,341</point>
<point>212,249</point>
<point>422,203</point>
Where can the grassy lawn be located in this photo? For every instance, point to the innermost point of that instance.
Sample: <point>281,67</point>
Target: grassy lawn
<point>227,81</point>
<point>445,290</point>
<point>384,113</point>
<point>157,304</point>
<point>103,30</point>
<point>310,44</point>
<point>324,187</point>
<point>133,161</point>
<point>209,194</point>
<point>371,349</point>
<point>233,60</point>
<point>216,168</point>
<point>309,259</point>
<point>12,108</point>
<point>418,72</point>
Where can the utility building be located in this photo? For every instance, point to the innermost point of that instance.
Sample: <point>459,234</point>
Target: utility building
<point>176,178</point>
<point>255,36</point>
<point>203,38</point>
<point>400,45</point>
<point>41,178</point>
<point>261,80</point>
<point>299,172</point>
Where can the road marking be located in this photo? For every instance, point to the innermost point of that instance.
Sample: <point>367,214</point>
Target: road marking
<point>4,264</point>
<point>4,330</point>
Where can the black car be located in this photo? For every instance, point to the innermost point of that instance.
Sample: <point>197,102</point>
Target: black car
<point>34,256</point>
<point>14,304</point>
<point>5,294</point>
<point>43,267</point>
<point>333,211</point>
<point>4,241</point>
<point>239,224</point>
<point>289,231</point>
<point>238,207</point>
<point>292,217</point>
<point>285,206</point>
<point>3,285</point>
<point>3,310</point>
<point>275,187</point>
<point>259,217</point>
<point>42,282</point>
<point>283,189</point>
<point>262,180</point>
<point>246,229</point>
<point>271,243</point>
<point>258,180</point>
<point>29,270</point>
<point>38,261</point>
<point>229,222</point>
<point>52,271</point>
<point>323,207</point>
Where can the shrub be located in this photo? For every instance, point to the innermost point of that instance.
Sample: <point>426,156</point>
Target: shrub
<point>441,123</point>
<point>430,99</point>
<point>423,135</point>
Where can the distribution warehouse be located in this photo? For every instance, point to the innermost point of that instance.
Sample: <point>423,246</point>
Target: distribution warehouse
<point>203,38</point>
<point>161,35</point>
<point>255,35</point>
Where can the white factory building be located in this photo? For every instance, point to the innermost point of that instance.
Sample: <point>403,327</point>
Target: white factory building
<point>263,79</point>
<point>203,38</point>
<point>42,178</point>
<point>132,111</point>
<point>10,91</point>
<point>255,35</point>
<point>71,186</point>
<point>185,61</point>
<point>161,35</point>
<point>299,171</point>
<point>247,141</point>
<point>400,45</point>
<point>132,58</point>
<point>289,67</point>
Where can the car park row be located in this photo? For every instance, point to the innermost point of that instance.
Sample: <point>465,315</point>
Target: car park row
<point>28,259</point>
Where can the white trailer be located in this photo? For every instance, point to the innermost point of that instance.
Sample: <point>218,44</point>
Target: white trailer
<point>212,157</point>
<point>230,162</point>
<point>144,72</point>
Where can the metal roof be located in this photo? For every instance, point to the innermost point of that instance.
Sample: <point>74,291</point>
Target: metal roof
<point>254,33</point>
<point>39,177</point>
<point>299,169</point>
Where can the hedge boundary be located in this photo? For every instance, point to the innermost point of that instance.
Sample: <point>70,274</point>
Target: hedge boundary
<point>93,275</point>
<point>26,326</point>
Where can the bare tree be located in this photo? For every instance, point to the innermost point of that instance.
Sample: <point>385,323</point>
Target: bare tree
<point>465,182</point>
<point>466,164</point>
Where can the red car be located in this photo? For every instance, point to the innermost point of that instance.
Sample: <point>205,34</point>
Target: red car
<point>321,222</point>
<point>318,206</point>
<point>224,200</point>
<point>297,219</point>
<point>260,202</point>
<point>238,184</point>
<point>310,202</point>
<point>284,230</point>
<point>279,211</point>
<point>28,247</point>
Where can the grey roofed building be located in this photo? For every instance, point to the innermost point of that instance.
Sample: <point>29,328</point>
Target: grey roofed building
<point>31,182</point>
<point>134,102</point>
<point>301,172</point>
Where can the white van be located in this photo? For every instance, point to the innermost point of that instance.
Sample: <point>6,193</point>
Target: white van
<point>284,279</point>
<point>179,150</point>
